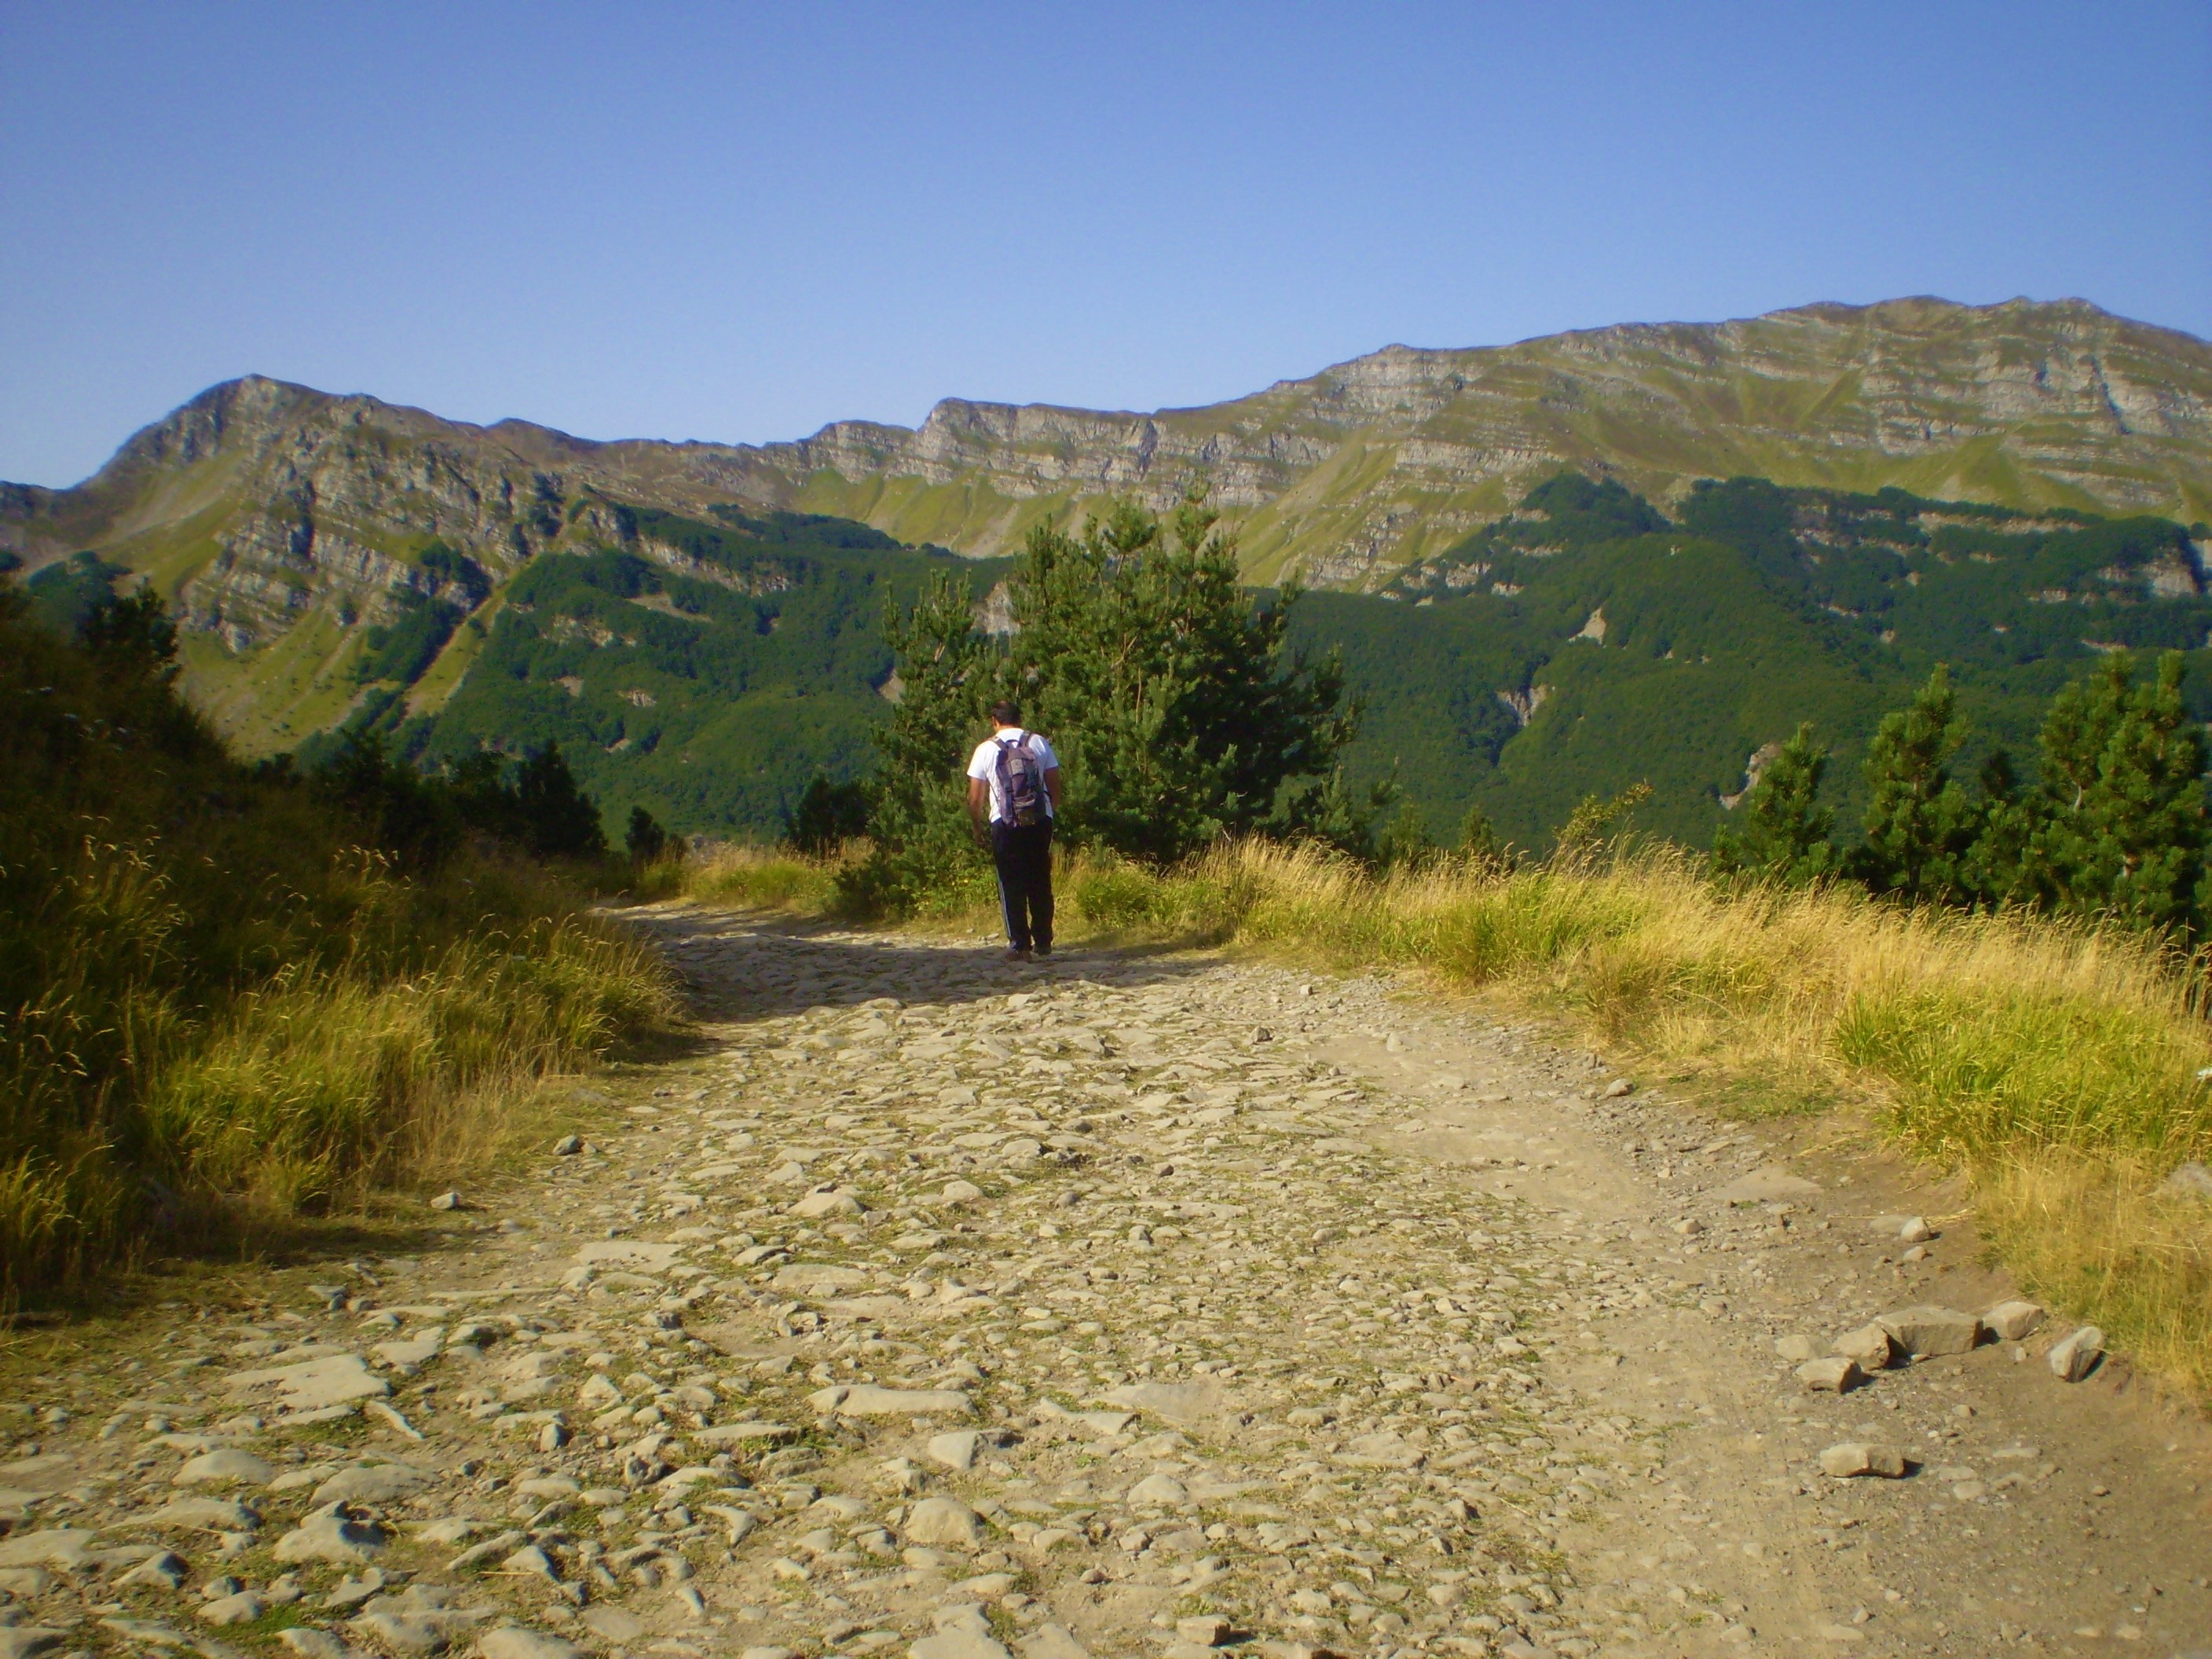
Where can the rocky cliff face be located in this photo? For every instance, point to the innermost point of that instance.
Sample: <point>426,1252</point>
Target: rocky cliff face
<point>1373,462</point>
<point>262,506</point>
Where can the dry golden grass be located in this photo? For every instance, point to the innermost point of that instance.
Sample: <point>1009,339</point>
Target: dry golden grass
<point>748,878</point>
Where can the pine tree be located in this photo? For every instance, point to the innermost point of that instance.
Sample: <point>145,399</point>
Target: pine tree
<point>2120,827</point>
<point>1404,842</point>
<point>1478,839</point>
<point>1783,834</point>
<point>1179,713</point>
<point>916,808</point>
<point>1921,823</point>
<point>646,840</point>
<point>828,816</point>
<point>560,820</point>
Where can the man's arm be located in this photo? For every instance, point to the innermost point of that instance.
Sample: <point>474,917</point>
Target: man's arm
<point>1052,785</point>
<point>979,802</point>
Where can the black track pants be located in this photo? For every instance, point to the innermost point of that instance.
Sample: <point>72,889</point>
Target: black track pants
<point>1023,855</point>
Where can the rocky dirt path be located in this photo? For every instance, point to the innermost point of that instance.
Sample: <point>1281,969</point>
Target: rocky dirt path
<point>1139,1306</point>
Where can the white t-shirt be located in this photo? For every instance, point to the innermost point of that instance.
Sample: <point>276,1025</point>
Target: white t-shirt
<point>984,764</point>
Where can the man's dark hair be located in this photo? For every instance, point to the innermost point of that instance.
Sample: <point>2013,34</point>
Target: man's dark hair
<point>1006,714</point>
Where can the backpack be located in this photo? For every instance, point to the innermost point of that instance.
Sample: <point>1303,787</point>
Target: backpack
<point>1021,782</point>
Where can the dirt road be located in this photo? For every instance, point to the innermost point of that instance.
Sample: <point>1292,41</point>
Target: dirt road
<point>1135,1305</point>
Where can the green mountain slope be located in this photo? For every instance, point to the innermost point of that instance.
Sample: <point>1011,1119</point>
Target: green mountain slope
<point>1552,655</point>
<point>338,559</point>
<point>710,697</point>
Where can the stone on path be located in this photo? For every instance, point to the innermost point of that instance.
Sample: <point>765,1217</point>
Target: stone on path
<point>866,1400</point>
<point>962,1634</point>
<point>814,1277</point>
<point>956,1450</point>
<point>160,1570</point>
<point>519,1642</point>
<point>222,1513</point>
<point>742,1434</point>
<point>1871,1346</point>
<point>944,1520</point>
<point>1178,1402</point>
<point>613,1623</point>
<point>2011,1320</point>
<point>23,1641</point>
<point>1858,1457</point>
<point>2076,1356</point>
<point>67,1548</point>
<point>332,1379</point>
<point>828,1201</point>
<point>1797,1349</point>
<point>1927,1332</point>
<point>332,1537</point>
<point>237,1609</point>
<point>1837,1374</point>
<point>1051,1642</point>
<point>309,1643</point>
<point>220,1467</point>
<point>1765,1186</point>
<point>381,1483</point>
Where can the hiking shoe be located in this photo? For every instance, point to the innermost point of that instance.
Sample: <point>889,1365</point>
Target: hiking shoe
<point>1041,952</point>
<point>1016,955</point>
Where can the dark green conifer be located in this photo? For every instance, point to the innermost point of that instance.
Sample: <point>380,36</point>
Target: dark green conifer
<point>2119,823</point>
<point>1921,823</point>
<point>1782,833</point>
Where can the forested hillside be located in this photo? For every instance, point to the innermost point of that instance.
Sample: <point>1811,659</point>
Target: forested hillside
<point>1585,642</point>
<point>707,668</point>
<point>709,693</point>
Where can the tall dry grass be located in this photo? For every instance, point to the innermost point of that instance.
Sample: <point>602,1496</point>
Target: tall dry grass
<point>2059,1066</point>
<point>2056,1065</point>
<point>216,1011</point>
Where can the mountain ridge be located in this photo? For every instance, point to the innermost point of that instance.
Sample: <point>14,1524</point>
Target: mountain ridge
<point>285,522</point>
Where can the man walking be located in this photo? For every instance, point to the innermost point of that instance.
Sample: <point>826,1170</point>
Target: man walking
<point>1015,777</point>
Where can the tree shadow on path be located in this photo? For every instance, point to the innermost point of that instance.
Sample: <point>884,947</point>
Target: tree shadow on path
<point>738,966</point>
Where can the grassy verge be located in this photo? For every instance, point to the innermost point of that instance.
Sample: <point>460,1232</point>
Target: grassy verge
<point>2055,1065</point>
<point>218,1013</point>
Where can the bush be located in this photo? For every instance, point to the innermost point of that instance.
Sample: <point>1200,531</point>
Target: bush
<point>828,816</point>
<point>223,995</point>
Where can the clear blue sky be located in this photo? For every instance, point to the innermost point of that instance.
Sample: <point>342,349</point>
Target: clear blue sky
<point>740,222</point>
